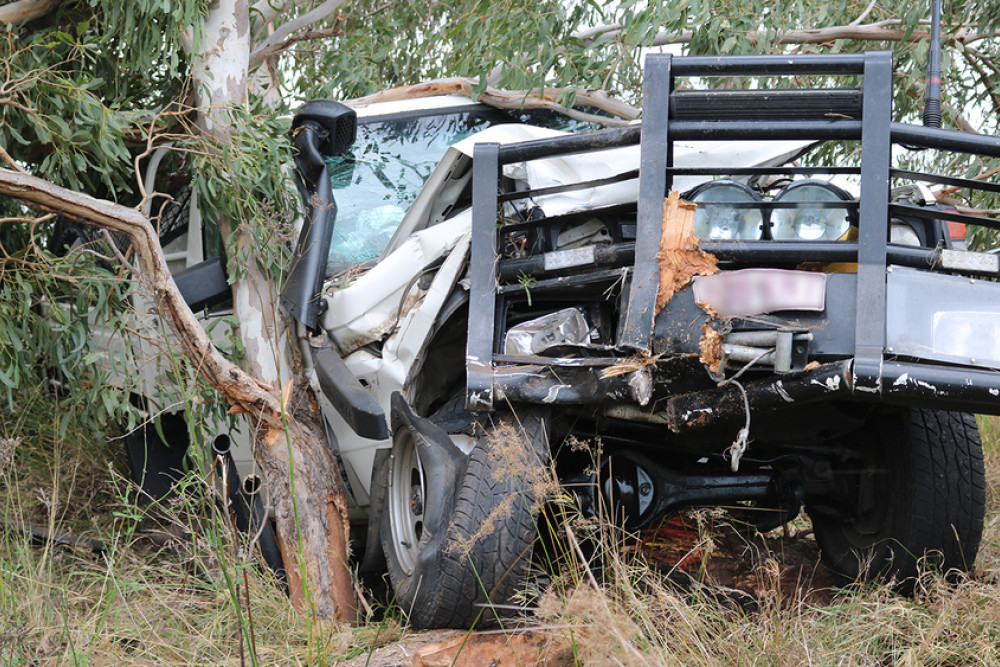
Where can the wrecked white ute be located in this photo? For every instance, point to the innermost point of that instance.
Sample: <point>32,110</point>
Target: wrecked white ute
<point>731,326</point>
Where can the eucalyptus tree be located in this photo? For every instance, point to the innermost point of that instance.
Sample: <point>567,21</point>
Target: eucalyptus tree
<point>89,88</point>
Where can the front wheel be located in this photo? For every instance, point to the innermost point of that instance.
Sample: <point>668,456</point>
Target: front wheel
<point>463,564</point>
<point>916,493</point>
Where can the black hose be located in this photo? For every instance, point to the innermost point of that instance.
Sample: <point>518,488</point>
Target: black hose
<point>248,510</point>
<point>261,529</point>
<point>222,447</point>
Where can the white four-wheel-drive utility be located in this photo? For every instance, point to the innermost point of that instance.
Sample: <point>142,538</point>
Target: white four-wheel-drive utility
<point>717,314</point>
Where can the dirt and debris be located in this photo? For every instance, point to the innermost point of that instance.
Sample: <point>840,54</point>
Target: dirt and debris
<point>709,553</point>
<point>679,256</point>
<point>710,345</point>
<point>713,552</point>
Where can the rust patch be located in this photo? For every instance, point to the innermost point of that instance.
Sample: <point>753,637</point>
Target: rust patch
<point>679,256</point>
<point>710,345</point>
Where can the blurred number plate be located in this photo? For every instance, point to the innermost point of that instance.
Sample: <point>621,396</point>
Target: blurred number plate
<point>758,291</point>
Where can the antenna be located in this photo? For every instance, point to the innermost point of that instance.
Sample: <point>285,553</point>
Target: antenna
<point>932,103</point>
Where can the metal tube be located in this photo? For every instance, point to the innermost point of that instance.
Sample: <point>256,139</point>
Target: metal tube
<point>942,387</point>
<point>949,140</point>
<point>222,448</point>
<point>745,353</point>
<point>783,252</point>
<point>766,130</point>
<point>259,529</point>
<point>567,145</point>
<point>702,408</point>
<point>837,63</point>
<point>565,385</point>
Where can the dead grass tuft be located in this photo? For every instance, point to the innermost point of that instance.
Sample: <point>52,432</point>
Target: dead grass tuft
<point>512,453</point>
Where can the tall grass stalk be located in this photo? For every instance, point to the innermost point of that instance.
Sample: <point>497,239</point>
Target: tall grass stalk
<point>162,592</point>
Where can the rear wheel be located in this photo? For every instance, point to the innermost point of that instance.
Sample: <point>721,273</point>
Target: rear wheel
<point>465,568</point>
<point>916,494</point>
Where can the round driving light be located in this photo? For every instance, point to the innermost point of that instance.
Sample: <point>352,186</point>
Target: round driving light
<point>903,234</point>
<point>820,212</point>
<point>726,210</point>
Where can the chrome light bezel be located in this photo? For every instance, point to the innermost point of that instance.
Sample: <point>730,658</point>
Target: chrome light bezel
<point>749,229</point>
<point>776,226</point>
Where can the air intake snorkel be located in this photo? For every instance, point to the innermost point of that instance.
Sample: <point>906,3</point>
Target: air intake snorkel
<point>932,104</point>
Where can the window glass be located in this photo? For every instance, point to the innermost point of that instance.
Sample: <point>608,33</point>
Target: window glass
<point>377,179</point>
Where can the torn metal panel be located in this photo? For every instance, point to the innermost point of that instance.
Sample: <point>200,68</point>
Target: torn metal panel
<point>395,368</point>
<point>367,309</point>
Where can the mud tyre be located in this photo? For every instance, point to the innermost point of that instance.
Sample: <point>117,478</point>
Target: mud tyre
<point>916,504</point>
<point>468,572</point>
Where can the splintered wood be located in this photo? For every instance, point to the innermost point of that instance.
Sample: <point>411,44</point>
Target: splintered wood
<point>679,256</point>
<point>710,345</point>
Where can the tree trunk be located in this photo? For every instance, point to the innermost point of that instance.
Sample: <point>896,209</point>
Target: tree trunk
<point>292,457</point>
<point>315,542</point>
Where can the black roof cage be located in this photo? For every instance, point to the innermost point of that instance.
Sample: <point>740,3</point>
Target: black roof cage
<point>670,115</point>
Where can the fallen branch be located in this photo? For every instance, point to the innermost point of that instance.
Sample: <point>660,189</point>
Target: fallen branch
<point>314,541</point>
<point>239,388</point>
<point>511,99</point>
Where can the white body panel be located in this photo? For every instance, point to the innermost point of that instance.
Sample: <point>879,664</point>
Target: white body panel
<point>387,300</point>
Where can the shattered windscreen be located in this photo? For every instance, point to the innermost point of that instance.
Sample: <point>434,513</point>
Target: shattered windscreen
<point>375,181</point>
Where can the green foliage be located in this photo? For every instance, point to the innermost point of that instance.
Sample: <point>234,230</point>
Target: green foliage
<point>247,179</point>
<point>47,309</point>
<point>53,116</point>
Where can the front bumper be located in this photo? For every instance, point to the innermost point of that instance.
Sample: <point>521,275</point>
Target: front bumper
<point>674,391</point>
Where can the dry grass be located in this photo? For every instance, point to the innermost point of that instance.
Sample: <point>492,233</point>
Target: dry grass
<point>628,616</point>
<point>146,604</point>
<point>146,600</point>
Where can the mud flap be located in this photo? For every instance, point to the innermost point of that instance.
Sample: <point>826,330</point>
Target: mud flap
<point>444,466</point>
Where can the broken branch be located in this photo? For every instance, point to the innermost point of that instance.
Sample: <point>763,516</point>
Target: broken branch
<point>231,381</point>
<point>511,99</point>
